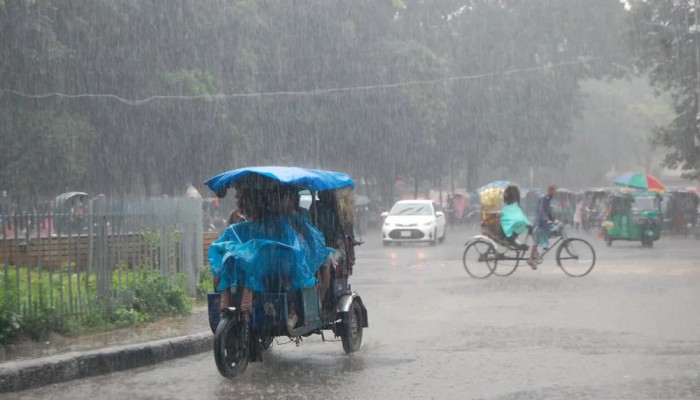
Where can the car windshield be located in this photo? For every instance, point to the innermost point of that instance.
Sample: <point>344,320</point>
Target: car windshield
<point>411,209</point>
<point>645,204</point>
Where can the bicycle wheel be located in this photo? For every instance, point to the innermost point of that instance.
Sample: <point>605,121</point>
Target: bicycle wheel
<point>479,259</point>
<point>576,257</point>
<point>507,263</point>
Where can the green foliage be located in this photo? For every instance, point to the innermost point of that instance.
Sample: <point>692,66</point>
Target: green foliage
<point>43,150</point>
<point>205,284</point>
<point>140,48</point>
<point>144,295</point>
<point>665,38</point>
<point>10,325</point>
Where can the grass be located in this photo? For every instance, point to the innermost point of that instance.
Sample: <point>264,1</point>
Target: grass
<point>35,302</point>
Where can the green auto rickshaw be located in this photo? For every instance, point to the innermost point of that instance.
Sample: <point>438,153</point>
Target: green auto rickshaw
<point>633,216</point>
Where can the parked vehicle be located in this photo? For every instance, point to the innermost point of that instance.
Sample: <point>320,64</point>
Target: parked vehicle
<point>268,280</point>
<point>680,210</point>
<point>414,221</point>
<point>633,216</point>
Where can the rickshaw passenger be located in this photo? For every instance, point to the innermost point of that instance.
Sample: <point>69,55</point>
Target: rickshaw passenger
<point>513,220</point>
<point>289,206</point>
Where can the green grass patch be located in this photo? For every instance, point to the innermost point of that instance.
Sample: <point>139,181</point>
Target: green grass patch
<point>34,302</point>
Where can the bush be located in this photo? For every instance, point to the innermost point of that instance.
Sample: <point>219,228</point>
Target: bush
<point>10,326</point>
<point>205,285</point>
<point>156,295</point>
<point>147,296</point>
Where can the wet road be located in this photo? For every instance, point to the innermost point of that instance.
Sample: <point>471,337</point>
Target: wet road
<point>629,330</point>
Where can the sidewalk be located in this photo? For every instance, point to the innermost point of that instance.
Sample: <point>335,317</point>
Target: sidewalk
<point>29,364</point>
<point>196,322</point>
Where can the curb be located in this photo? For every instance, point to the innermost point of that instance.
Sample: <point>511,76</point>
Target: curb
<point>29,374</point>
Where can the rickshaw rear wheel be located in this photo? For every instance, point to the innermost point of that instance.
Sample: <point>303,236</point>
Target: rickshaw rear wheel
<point>479,259</point>
<point>230,347</point>
<point>352,327</point>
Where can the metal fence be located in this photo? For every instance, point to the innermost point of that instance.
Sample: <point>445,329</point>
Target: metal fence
<point>69,261</point>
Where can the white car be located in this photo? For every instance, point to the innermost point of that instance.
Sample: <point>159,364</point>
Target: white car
<point>414,221</point>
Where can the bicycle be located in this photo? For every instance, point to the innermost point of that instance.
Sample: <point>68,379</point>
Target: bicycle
<point>485,256</point>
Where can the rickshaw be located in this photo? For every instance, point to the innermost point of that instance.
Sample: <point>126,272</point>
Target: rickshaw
<point>492,253</point>
<point>268,282</point>
<point>594,213</point>
<point>563,206</point>
<point>680,210</point>
<point>69,211</point>
<point>633,216</point>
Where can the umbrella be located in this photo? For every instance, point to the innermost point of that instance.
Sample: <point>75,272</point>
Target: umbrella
<point>497,184</point>
<point>640,181</point>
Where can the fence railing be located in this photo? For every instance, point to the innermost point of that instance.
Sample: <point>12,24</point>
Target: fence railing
<point>70,260</point>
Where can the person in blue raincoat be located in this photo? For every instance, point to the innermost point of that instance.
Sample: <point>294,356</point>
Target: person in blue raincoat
<point>513,219</point>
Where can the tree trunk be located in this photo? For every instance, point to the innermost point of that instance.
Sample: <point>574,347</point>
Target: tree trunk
<point>472,174</point>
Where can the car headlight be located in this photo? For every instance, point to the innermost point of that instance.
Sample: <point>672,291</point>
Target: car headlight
<point>387,224</point>
<point>427,223</point>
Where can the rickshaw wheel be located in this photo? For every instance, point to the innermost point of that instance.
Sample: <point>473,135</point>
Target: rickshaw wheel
<point>479,259</point>
<point>508,267</point>
<point>230,349</point>
<point>352,321</point>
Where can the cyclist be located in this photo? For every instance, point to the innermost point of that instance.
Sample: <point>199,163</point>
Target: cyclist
<point>545,222</point>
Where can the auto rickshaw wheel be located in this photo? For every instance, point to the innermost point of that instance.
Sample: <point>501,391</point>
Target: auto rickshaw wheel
<point>352,328</point>
<point>231,347</point>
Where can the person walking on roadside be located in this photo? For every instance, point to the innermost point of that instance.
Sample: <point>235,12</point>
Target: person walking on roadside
<point>578,214</point>
<point>544,223</point>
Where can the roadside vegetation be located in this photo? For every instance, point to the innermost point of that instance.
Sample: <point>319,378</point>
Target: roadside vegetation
<point>65,304</point>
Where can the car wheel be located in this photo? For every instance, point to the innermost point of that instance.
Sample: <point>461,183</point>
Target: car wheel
<point>435,238</point>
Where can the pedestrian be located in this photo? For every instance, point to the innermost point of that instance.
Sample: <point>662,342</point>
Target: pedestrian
<point>450,210</point>
<point>578,213</point>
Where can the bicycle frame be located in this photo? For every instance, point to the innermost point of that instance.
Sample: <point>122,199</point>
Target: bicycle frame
<point>519,253</point>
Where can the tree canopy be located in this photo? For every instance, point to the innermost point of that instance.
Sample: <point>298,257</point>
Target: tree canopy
<point>383,89</point>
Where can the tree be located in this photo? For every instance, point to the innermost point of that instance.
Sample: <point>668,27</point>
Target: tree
<point>665,37</point>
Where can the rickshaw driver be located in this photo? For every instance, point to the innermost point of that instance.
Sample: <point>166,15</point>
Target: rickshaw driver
<point>545,222</point>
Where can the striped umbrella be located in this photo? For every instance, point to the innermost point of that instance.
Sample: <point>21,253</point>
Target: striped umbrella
<point>640,181</point>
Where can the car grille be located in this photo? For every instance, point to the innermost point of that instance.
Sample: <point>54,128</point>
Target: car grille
<point>414,234</point>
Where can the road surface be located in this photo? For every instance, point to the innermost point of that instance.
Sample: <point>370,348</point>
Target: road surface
<point>629,330</point>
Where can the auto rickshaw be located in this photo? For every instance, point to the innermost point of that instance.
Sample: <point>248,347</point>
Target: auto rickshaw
<point>680,210</point>
<point>633,216</point>
<point>285,270</point>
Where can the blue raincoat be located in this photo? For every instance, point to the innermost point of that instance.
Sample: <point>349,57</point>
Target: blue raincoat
<point>513,220</point>
<point>248,252</point>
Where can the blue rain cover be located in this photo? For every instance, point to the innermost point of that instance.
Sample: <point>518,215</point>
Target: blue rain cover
<point>248,252</point>
<point>513,220</point>
<point>311,179</point>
